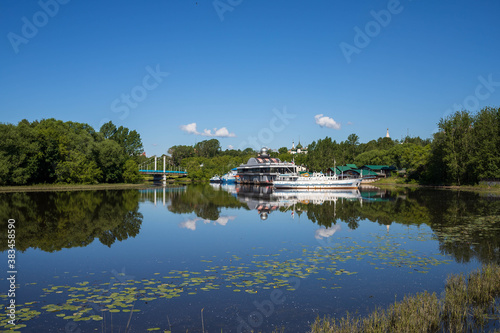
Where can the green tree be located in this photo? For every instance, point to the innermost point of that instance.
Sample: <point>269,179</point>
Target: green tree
<point>179,153</point>
<point>283,150</point>
<point>19,154</point>
<point>131,172</point>
<point>110,158</point>
<point>207,148</point>
<point>352,144</point>
<point>457,145</point>
<point>77,168</point>
<point>129,140</point>
<point>374,157</point>
<point>321,154</point>
<point>486,136</point>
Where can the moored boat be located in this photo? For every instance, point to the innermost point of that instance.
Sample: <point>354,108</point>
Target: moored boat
<point>263,169</point>
<point>215,179</point>
<point>316,181</point>
<point>230,177</point>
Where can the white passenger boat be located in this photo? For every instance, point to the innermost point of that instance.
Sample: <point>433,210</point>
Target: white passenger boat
<point>316,181</point>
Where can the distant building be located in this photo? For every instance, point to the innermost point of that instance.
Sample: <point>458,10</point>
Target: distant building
<point>367,172</point>
<point>297,150</point>
<point>387,135</point>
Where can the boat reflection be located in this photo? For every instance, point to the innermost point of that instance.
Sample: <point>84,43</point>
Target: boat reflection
<point>266,199</point>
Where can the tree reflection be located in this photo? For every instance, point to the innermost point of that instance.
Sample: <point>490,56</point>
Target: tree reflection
<point>466,224</point>
<point>51,221</point>
<point>203,200</point>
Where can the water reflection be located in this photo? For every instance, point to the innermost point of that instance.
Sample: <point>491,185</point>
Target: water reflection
<point>52,221</point>
<point>323,232</point>
<point>466,224</point>
<point>180,266</point>
<point>191,223</point>
<point>265,199</point>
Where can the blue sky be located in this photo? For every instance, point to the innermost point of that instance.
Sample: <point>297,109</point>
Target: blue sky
<point>249,73</point>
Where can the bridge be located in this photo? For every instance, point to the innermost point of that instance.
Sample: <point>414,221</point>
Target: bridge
<point>150,167</point>
<point>162,194</point>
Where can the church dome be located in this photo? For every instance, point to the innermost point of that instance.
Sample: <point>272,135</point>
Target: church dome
<point>263,152</point>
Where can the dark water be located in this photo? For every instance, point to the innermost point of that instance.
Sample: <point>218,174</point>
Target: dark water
<point>203,257</point>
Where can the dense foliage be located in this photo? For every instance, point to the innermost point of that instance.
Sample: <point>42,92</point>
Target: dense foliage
<point>207,159</point>
<point>465,150</point>
<point>53,151</point>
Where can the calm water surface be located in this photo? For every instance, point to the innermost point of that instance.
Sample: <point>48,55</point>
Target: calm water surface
<point>233,258</point>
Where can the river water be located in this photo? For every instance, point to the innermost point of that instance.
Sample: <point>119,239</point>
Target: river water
<point>211,258</point>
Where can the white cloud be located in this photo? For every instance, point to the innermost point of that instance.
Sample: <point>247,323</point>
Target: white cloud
<point>189,128</point>
<point>206,132</point>
<point>325,121</point>
<point>230,147</point>
<point>222,132</point>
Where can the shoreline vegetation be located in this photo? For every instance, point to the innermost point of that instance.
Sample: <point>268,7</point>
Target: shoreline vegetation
<point>388,183</point>
<point>393,182</point>
<point>469,303</point>
<point>464,151</point>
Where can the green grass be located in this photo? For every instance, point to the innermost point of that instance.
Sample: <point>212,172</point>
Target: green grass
<point>70,187</point>
<point>469,303</point>
<point>393,182</point>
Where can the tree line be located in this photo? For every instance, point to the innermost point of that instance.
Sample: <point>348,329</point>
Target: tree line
<point>52,151</point>
<point>465,150</point>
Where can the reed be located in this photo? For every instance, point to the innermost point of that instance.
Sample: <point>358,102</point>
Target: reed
<point>469,303</point>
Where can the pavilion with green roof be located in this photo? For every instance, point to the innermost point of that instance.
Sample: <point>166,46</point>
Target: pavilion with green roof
<point>367,172</point>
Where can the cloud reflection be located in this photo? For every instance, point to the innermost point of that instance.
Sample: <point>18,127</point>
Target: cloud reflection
<point>326,232</point>
<point>191,223</point>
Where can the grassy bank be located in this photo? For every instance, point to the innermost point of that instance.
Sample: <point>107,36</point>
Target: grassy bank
<point>391,182</point>
<point>469,303</point>
<point>71,187</point>
<point>146,181</point>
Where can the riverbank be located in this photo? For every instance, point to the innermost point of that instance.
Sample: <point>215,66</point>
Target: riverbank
<point>146,183</point>
<point>71,187</point>
<point>394,182</point>
<point>469,303</point>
